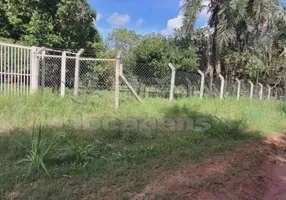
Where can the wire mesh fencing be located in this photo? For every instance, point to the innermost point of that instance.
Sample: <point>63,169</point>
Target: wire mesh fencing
<point>187,84</point>
<point>25,70</point>
<point>245,88</point>
<point>231,88</point>
<point>70,75</point>
<point>212,86</point>
<point>146,79</point>
<point>50,74</point>
<point>150,81</point>
<point>97,77</point>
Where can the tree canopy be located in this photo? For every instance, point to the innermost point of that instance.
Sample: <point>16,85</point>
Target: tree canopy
<point>122,40</point>
<point>244,37</point>
<point>54,23</point>
<point>158,51</point>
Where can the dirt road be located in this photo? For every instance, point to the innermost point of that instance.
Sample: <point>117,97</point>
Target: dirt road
<point>256,171</point>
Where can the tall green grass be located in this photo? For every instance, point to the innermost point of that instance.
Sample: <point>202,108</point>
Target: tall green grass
<point>120,158</point>
<point>264,116</point>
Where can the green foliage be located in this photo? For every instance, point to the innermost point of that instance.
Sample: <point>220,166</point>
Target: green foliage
<point>116,157</point>
<point>158,51</point>
<point>49,23</point>
<point>81,151</point>
<point>84,152</point>
<point>227,128</point>
<point>251,64</point>
<point>123,40</point>
<point>41,148</point>
<point>252,28</point>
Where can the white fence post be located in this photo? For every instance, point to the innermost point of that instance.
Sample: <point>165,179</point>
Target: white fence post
<point>43,69</point>
<point>63,73</point>
<point>121,69</point>
<point>276,92</point>
<point>251,89</point>
<point>281,92</point>
<point>261,91</point>
<point>129,85</point>
<point>269,92</point>
<point>117,80</point>
<point>172,81</point>
<point>76,72</point>
<point>221,86</point>
<point>202,84</point>
<point>238,88</point>
<point>34,70</point>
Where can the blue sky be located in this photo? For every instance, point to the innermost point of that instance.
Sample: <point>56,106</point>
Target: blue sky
<point>143,16</point>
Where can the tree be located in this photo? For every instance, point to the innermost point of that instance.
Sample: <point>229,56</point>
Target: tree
<point>242,36</point>
<point>233,22</point>
<point>198,40</point>
<point>123,40</point>
<point>157,52</point>
<point>55,23</point>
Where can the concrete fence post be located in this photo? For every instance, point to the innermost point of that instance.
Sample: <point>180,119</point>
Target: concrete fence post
<point>173,77</point>
<point>238,88</point>
<point>76,71</point>
<point>269,92</point>
<point>128,84</point>
<point>34,69</point>
<point>221,86</point>
<point>251,89</point>
<point>121,69</point>
<point>261,92</point>
<point>117,79</point>
<point>63,73</point>
<point>275,92</point>
<point>43,74</point>
<point>202,84</point>
<point>280,93</point>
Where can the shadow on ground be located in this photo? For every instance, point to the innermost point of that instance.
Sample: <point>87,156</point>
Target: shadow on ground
<point>91,163</point>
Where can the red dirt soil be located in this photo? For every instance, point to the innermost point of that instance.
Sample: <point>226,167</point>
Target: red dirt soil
<point>256,171</point>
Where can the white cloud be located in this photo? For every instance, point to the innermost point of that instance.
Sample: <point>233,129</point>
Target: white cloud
<point>174,23</point>
<point>204,15</point>
<point>118,20</point>
<point>139,22</point>
<point>98,17</point>
<point>177,22</point>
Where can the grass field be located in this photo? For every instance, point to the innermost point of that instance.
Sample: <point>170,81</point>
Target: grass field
<point>47,154</point>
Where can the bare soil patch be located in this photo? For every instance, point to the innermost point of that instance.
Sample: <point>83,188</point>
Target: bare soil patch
<point>256,171</point>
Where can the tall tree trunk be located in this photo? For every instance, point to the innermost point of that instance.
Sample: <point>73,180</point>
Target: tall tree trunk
<point>211,80</point>
<point>284,77</point>
<point>284,74</point>
<point>216,51</point>
<point>218,66</point>
<point>210,68</point>
<point>257,77</point>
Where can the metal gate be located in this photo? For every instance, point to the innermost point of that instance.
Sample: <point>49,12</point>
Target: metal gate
<point>14,69</point>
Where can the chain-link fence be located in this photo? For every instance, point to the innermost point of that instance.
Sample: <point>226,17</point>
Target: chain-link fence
<point>147,80</point>
<point>96,77</point>
<point>29,69</point>
<point>152,81</point>
<point>58,75</point>
<point>50,74</point>
<point>187,84</point>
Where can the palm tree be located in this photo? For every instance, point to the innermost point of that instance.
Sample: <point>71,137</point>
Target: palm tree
<point>233,22</point>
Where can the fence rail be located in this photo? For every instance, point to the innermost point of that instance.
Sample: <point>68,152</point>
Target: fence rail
<point>25,70</point>
<point>14,69</point>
